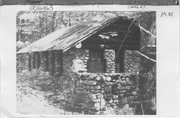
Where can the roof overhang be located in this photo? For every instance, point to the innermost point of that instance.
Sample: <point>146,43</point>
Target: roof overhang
<point>66,38</point>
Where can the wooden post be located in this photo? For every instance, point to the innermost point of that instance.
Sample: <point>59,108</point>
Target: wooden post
<point>52,62</point>
<point>38,60</point>
<point>119,60</point>
<point>29,62</point>
<point>44,61</point>
<point>33,60</point>
<point>58,62</point>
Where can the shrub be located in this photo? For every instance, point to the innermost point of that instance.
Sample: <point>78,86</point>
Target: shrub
<point>79,102</point>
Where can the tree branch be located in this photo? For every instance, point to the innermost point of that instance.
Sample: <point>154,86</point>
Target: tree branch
<point>147,31</point>
<point>146,56</point>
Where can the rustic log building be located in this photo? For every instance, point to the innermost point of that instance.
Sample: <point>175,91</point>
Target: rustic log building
<point>99,47</point>
<point>115,33</point>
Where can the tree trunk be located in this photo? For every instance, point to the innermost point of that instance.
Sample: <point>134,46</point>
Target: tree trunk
<point>53,21</point>
<point>46,25</point>
<point>40,27</point>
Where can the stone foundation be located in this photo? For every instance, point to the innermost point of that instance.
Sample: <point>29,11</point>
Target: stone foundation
<point>110,90</point>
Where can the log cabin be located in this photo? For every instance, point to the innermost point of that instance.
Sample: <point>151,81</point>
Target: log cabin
<point>101,46</point>
<point>87,42</point>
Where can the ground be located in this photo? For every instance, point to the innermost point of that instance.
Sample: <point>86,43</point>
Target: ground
<point>34,102</point>
<point>31,99</point>
<point>36,95</point>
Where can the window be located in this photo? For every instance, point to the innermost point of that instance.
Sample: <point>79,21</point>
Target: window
<point>100,61</point>
<point>96,62</point>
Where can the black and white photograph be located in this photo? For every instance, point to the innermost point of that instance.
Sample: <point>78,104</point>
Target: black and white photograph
<point>86,62</point>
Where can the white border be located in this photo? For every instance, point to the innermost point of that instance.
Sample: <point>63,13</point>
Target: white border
<point>168,102</point>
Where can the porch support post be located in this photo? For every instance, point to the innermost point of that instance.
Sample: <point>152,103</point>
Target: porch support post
<point>29,61</point>
<point>119,61</point>
<point>33,60</point>
<point>52,62</point>
<point>58,62</point>
<point>44,60</point>
<point>38,60</point>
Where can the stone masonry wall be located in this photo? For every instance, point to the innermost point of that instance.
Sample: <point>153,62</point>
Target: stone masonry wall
<point>131,61</point>
<point>110,90</point>
<point>107,89</point>
<point>110,61</point>
<point>75,60</point>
